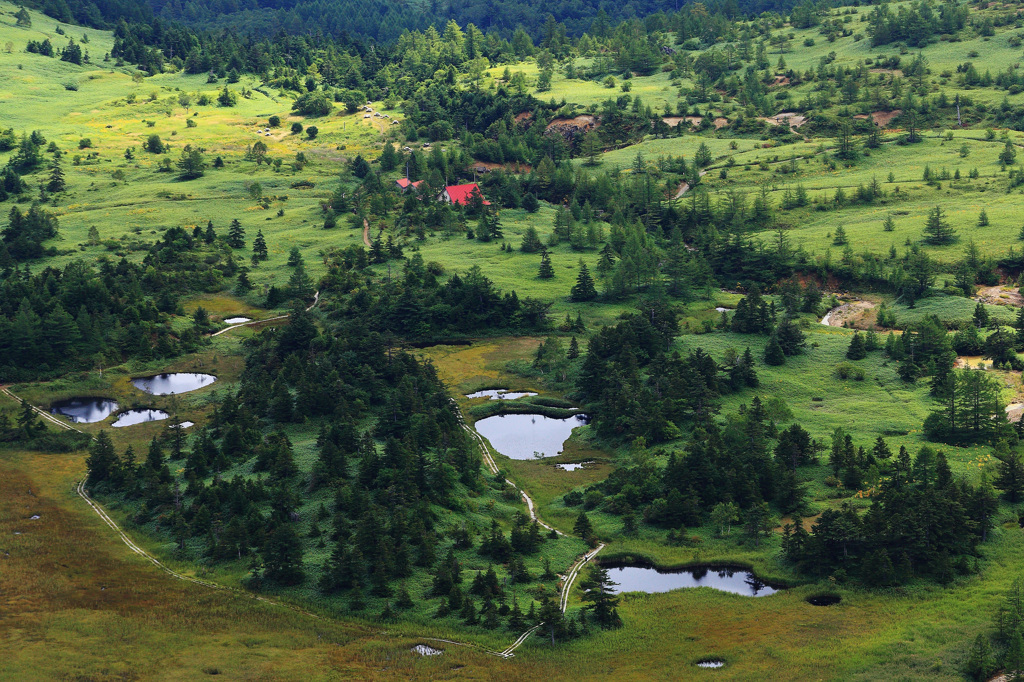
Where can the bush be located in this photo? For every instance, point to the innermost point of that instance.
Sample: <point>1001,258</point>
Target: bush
<point>84,143</point>
<point>296,128</point>
<point>312,132</point>
<point>312,104</point>
<point>274,121</point>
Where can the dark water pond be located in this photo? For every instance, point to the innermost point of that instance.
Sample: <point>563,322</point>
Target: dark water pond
<point>133,417</point>
<point>169,384</point>
<point>824,599</point>
<point>519,436</point>
<point>500,394</point>
<point>84,410</point>
<point>710,664</point>
<point>641,578</point>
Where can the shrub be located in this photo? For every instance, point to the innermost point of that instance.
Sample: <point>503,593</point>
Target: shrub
<point>296,128</point>
<point>274,121</point>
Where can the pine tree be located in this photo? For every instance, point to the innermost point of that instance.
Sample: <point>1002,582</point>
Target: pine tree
<point>574,349</point>
<point>1014,659</point>
<point>597,592</point>
<point>102,459</point>
<point>531,241</point>
<point>889,224</point>
<point>584,289</point>
<point>236,235</point>
<point>856,350</point>
<point>259,247</point>
<point>242,284</point>
<point>56,183</point>
<point>209,236</point>
<point>981,319</point>
<point>582,527</point>
<point>839,238</point>
<point>546,271</point>
<point>1011,477</point>
<point>979,660</point>
<point>937,230</point>
<point>983,219</point>
<point>294,257</point>
<point>773,354</point>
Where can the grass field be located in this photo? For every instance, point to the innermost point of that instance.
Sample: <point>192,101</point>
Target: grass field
<point>77,604</point>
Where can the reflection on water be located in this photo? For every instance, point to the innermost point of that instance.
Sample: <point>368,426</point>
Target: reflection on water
<point>651,580</point>
<point>170,384</point>
<point>519,436</point>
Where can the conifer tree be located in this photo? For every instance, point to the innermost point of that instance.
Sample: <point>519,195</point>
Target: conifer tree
<point>259,247</point>
<point>979,660</point>
<point>102,459</point>
<point>574,349</point>
<point>56,182</point>
<point>856,350</point>
<point>773,354</point>
<point>582,527</point>
<point>584,289</point>
<point>888,224</point>
<point>531,241</point>
<point>546,271</point>
<point>236,235</point>
<point>937,230</point>
<point>983,219</point>
<point>209,236</point>
<point>597,592</point>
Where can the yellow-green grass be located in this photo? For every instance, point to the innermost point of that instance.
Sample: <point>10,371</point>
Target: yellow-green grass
<point>655,90</point>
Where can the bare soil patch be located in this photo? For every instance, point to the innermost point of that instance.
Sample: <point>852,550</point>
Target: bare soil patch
<point>1000,295</point>
<point>856,314</point>
<point>883,118</point>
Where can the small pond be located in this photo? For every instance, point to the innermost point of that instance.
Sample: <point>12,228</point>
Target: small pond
<point>182,425</point>
<point>500,394</point>
<point>642,578</point>
<point>133,417</point>
<point>574,466</point>
<point>84,410</point>
<point>520,435</point>
<point>170,384</point>
<point>236,320</point>
<point>714,663</point>
<point>824,599</point>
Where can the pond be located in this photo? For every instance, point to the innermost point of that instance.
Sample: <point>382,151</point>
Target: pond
<point>574,466</point>
<point>643,578</point>
<point>713,663</point>
<point>519,436</point>
<point>84,410</point>
<point>133,417</point>
<point>500,394</point>
<point>170,384</point>
<point>236,320</point>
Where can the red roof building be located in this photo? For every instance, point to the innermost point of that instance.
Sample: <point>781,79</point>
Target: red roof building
<point>461,194</point>
<point>404,184</point>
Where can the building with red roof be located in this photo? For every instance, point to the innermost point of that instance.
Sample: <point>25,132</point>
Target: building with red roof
<point>462,194</point>
<point>404,184</point>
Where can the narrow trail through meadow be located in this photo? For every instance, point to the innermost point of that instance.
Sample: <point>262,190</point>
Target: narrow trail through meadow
<point>566,585</point>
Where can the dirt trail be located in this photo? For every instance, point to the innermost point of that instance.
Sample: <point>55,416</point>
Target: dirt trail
<point>566,585</point>
<point>852,312</point>
<point>684,187</point>
<point>316,299</point>
<point>366,233</point>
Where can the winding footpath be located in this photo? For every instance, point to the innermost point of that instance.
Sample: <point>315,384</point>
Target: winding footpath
<point>566,584</point>
<point>316,299</point>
